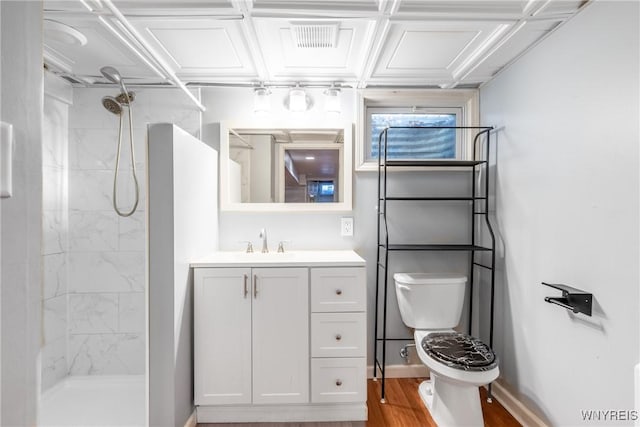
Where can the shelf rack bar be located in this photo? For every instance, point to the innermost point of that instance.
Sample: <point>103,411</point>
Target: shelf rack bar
<point>383,241</point>
<point>437,199</point>
<point>493,253</point>
<point>375,326</point>
<point>434,247</point>
<point>482,265</point>
<point>473,238</point>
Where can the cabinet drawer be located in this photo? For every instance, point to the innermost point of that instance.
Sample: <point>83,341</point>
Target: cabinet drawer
<point>338,380</point>
<point>338,289</point>
<point>338,334</point>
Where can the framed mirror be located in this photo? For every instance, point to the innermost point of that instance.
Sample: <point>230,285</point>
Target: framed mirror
<point>285,168</point>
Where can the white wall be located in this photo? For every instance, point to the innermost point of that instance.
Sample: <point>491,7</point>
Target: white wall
<point>21,215</point>
<point>567,207</point>
<point>183,225</point>
<point>443,223</point>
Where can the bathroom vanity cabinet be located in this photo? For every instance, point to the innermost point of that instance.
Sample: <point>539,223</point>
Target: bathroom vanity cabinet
<point>280,337</point>
<point>259,361</point>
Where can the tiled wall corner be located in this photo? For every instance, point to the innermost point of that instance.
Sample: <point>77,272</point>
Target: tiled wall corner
<point>55,231</point>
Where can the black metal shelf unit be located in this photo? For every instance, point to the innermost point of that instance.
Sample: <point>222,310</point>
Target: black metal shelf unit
<point>480,161</point>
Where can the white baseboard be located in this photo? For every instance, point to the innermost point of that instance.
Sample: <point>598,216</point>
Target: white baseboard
<point>401,371</point>
<point>192,421</point>
<point>515,407</point>
<point>283,413</point>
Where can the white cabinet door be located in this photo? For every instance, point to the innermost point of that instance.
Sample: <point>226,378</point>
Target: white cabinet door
<point>222,333</point>
<point>280,335</point>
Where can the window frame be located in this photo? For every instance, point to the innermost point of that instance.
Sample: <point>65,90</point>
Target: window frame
<point>465,101</point>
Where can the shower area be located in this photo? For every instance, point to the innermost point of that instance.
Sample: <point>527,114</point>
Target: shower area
<point>93,346</point>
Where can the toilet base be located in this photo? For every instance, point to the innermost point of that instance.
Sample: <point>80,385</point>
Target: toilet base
<point>451,404</point>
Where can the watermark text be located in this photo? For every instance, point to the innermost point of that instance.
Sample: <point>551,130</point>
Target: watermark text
<point>609,415</point>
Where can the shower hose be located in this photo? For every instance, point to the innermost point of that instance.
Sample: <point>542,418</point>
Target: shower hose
<point>133,166</point>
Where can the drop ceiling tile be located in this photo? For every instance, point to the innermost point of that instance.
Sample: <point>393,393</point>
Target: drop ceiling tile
<point>528,35</point>
<point>453,8</point>
<point>204,48</point>
<point>200,48</point>
<point>286,60</point>
<point>430,51</point>
<point>561,7</point>
<point>317,6</point>
<point>161,6</point>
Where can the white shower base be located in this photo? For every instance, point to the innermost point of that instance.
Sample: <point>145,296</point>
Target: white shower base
<point>95,401</point>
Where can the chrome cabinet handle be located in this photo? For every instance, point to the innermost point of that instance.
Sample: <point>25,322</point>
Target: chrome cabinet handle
<point>255,286</point>
<point>338,291</point>
<point>246,289</point>
<point>338,383</point>
<point>338,337</point>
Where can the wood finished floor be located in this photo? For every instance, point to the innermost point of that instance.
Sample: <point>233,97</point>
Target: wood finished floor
<point>404,408</point>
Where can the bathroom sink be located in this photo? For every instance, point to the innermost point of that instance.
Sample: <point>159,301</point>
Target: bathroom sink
<point>279,259</point>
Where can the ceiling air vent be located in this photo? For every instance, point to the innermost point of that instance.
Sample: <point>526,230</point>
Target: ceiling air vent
<point>314,34</point>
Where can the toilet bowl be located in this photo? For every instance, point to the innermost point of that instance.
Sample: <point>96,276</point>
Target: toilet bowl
<point>458,363</point>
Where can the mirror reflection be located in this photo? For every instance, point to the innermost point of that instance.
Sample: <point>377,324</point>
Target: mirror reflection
<point>286,165</point>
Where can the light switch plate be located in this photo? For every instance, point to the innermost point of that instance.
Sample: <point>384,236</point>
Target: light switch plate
<point>6,154</point>
<point>346,226</point>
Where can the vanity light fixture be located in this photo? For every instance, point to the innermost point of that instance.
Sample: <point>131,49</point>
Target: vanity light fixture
<point>261,100</point>
<point>298,101</point>
<point>332,100</point>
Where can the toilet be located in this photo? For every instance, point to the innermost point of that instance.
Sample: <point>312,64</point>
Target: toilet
<point>459,364</point>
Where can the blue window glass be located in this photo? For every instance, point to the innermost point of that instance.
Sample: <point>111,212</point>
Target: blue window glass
<point>416,144</point>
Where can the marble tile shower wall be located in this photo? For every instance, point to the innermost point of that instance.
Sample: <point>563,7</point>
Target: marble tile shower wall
<point>106,266</point>
<point>54,249</point>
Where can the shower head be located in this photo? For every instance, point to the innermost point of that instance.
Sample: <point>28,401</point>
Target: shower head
<point>115,104</point>
<point>112,105</point>
<point>113,76</point>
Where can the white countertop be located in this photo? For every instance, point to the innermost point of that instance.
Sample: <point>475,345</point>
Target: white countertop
<point>346,258</point>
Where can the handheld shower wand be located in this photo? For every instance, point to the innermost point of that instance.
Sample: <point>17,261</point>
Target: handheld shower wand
<point>114,76</point>
<point>115,106</point>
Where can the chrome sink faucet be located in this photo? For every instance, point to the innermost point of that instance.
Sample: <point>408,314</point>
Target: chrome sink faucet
<point>263,236</point>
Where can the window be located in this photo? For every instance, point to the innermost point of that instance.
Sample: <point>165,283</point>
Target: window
<point>413,144</point>
<point>378,109</point>
<point>320,191</point>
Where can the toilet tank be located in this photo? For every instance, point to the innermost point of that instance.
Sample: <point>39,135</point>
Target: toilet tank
<point>429,300</point>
